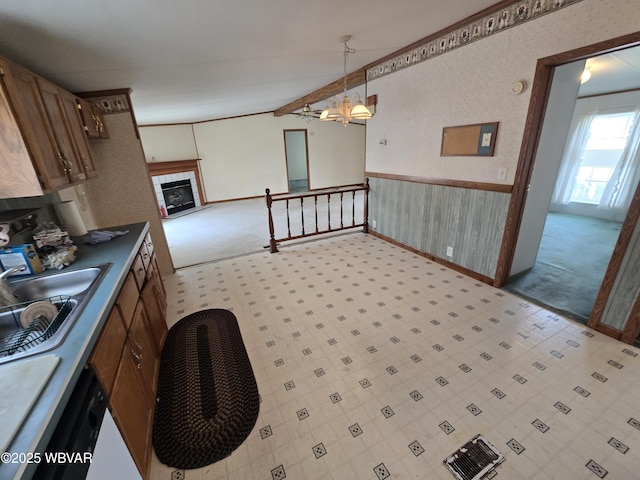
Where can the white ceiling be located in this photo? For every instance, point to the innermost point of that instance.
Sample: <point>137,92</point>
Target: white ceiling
<point>191,60</point>
<point>613,72</point>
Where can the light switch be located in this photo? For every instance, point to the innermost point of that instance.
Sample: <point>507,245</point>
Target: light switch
<point>502,173</point>
<point>486,139</point>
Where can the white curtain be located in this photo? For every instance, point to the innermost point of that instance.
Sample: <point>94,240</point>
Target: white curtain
<point>571,159</point>
<point>624,181</point>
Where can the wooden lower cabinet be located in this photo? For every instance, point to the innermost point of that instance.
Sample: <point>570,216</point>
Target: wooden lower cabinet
<point>131,410</point>
<point>144,351</point>
<point>153,297</point>
<point>105,357</point>
<point>127,358</point>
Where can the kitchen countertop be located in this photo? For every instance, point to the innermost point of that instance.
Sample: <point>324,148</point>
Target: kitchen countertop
<point>36,430</point>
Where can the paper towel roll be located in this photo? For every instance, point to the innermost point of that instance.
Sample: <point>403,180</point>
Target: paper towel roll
<point>70,217</point>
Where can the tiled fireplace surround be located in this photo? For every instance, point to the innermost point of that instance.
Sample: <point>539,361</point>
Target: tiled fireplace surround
<point>164,172</point>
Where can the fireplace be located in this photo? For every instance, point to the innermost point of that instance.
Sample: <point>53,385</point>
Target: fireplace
<point>179,173</point>
<point>178,196</point>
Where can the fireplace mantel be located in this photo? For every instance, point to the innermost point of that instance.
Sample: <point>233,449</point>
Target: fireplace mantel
<point>178,166</point>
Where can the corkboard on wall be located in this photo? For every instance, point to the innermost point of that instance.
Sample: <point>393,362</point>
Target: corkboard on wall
<point>469,140</point>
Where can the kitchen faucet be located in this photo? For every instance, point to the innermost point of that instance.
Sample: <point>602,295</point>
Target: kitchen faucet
<point>6,295</point>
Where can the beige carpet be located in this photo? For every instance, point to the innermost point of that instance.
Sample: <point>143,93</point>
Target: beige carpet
<point>229,229</point>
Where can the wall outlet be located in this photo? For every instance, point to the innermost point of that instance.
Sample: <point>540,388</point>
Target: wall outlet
<point>373,223</point>
<point>449,251</point>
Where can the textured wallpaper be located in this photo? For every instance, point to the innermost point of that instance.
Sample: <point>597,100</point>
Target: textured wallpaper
<point>472,84</point>
<point>122,192</point>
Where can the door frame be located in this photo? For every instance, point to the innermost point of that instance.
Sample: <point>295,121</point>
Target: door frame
<point>306,147</point>
<point>540,89</point>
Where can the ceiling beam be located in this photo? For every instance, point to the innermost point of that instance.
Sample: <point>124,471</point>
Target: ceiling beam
<point>355,79</point>
<point>360,76</point>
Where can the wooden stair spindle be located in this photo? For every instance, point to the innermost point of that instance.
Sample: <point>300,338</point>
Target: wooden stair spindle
<point>272,240</point>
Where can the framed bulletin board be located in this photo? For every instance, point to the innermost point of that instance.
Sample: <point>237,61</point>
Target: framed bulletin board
<point>476,140</point>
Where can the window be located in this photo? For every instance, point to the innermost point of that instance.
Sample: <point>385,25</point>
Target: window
<point>607,139</point>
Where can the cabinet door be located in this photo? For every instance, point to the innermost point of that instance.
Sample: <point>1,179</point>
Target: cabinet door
<point>88,119</point>
<point>19,178</point>
<point>76,128</point>
<point>92,120</point>
<point>53,103</point>
<point>155,307</point>
<point>108,350</point>
<point>162,292</point>
<point>144,351</point>
<point>128,299</point>
<point>138,269</point>
<point>131,410</point>
<point>31,115</point>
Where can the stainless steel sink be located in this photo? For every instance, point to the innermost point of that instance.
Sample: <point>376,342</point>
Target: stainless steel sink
<point>69,291</point>
<point>70,283</point>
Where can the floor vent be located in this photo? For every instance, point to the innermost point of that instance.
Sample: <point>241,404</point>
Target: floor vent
<point>474,459</point>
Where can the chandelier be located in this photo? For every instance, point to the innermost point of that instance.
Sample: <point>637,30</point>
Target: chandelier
<point>344,110</point>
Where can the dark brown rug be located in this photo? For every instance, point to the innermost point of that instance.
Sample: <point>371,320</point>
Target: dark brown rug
<point>207,402</point>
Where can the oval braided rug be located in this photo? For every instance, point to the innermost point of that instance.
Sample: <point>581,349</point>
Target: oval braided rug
<point>207,402</point>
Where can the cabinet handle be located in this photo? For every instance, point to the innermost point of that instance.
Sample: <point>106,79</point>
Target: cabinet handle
<point>99,126</point>
<point>137,357</point>
<point>65,163</point>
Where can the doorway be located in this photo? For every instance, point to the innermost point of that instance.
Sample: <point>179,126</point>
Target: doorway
<point>616,311</point>
<point>586,169</point>
<point>297,157</point>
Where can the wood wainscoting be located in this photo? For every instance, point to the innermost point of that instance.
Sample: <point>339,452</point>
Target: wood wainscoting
<point>179,166</point>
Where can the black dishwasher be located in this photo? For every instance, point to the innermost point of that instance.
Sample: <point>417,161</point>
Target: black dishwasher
<point>75,437</point>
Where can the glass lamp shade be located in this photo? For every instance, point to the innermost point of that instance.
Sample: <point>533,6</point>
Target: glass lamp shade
<point>361,112</point>
<point>334,112</point>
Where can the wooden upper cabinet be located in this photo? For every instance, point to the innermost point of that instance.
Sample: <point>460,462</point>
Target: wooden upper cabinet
<point>92,119</point>
<point>76,128</point>
<point>19,177</point>
<point>52,130</point>
<point>52,97</point>
<point>33,121</point>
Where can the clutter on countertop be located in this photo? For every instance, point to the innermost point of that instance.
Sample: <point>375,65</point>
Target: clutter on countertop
<point>21,256</point>
<point>101,236</point>
<point>56,249</point>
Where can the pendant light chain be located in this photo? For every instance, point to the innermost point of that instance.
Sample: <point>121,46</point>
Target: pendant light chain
<point>346,110</point>
<point>347,51</point>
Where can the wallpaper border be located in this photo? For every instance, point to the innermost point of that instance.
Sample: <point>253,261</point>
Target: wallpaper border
<point>456,36</point>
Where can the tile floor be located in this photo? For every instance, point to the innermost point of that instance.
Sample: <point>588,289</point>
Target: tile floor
<point>374,363</point>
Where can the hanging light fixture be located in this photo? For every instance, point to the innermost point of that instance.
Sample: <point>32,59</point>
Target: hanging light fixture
<point>345,109</point>
<point>307,113</point>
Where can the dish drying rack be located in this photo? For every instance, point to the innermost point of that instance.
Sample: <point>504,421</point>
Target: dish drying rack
<point>15,338</point>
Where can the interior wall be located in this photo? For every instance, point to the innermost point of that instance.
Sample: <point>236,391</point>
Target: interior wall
<point>122,192</point>
<point>472,84</point>
<point>555,128</point>
<point>244,155</point>
<point>626,288</point>
<point>164,143</point>
<point>431,218</point>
